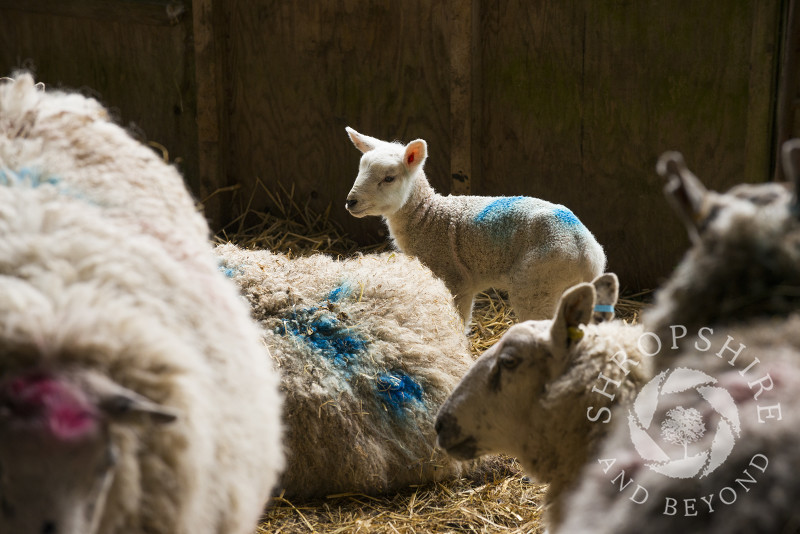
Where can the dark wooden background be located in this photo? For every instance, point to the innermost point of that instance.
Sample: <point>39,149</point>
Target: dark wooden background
<point>567,100</point>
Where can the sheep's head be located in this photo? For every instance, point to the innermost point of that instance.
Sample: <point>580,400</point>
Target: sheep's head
<point>386,175</point>
<point>745,254</point>
<point>56,456</point>
<point>500,404</point>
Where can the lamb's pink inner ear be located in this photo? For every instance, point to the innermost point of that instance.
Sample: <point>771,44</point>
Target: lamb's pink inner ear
<point>410,158</point>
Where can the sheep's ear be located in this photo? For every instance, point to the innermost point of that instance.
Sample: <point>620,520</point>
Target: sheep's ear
<point>363,142</point>
<point>684,191</point>
<point>790,158</point>
<point>574,309</point>
<point>606,287</point>
<point>120,404</point>
<point>415,154</point>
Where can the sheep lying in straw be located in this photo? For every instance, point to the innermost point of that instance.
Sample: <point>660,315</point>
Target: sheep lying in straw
<point>530,247</point>
<point>368,349</point>
<point>123,350</point>
<point>725,401</point>
<point>543,393</point>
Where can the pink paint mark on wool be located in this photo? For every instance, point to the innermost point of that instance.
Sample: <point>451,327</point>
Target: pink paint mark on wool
<point>60,406</point>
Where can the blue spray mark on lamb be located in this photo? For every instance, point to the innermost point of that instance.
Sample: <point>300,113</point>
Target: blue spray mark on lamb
<point>566,216</point>
<point>499,216</point>
<point>324,334</point>
<point>497,210</point>
<point>397,390</point>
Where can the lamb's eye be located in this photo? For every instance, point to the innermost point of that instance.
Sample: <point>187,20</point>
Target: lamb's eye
<point>389,179</point>
<point>509,360</point>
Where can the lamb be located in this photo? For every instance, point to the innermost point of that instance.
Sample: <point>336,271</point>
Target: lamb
<point>727,322</point>
<point>368,349</point>
<point>544,392</point>
<point>530,247</point>
<point>124,350</point>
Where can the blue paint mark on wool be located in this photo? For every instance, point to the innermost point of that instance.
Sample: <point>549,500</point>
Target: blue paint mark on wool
<point>497,209</point>
<point>341,291</point>
<point>565,216</point>
<point>397,390</point>
<point>501,217</point>
<point>325,334</point>
<point>230,272</point>
<point>25,176</point>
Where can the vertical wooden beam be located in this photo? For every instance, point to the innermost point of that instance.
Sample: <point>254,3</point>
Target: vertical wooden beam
<point>460,29</point>
<point>210,103</point>
<point>476,104</point>
<point>788,84</point>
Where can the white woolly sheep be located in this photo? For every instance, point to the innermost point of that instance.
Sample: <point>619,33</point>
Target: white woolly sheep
<point>728,327</point>
<point>368,349</point>
<point>530,247</point>
<point>135,395</point>
<point>544,392</point>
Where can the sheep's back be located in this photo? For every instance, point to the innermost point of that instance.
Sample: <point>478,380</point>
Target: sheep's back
<point>368,349</point>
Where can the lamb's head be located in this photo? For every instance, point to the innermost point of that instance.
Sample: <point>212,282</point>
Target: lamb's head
<point>56,455</point>
<point>499,404</point>
<point>386,175</point>
<point>745,256</point>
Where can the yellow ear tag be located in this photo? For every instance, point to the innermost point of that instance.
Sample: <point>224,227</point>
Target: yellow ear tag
<point>574,333</point>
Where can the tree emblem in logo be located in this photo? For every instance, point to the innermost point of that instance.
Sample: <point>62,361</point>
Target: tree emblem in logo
<point>683,426</point>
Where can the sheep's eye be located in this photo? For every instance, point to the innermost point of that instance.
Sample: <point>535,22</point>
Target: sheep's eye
<point>509,361</point>
<point>389,179</point>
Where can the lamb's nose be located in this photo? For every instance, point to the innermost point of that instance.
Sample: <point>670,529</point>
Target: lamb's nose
<point>350,203</point>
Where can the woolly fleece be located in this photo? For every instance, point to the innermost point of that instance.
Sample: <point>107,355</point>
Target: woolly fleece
<point>105,268</point>
<point>368,349</point>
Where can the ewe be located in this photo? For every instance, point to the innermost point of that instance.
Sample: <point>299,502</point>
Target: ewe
<point>729,328</point>
<point>534,394</point>
<point>530,247</point>
<point>135,396</point>
<point>368,349</point>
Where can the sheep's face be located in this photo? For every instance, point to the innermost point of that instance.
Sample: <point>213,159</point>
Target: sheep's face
<point>497,408</point>
<point>386,175</point>
<point>56,458</point>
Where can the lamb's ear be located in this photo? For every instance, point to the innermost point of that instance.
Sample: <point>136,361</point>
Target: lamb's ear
<point>606,287</point>
<point>415,154</point>
<point>790,158</point>
<point>121,404</point>
<point>684,191</point>
<point>363,142</point>
<point>574,309</point>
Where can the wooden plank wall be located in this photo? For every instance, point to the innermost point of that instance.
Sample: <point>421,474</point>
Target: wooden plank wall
<point>130,55</point>
<point>301,71</point>
<point>569,100</point>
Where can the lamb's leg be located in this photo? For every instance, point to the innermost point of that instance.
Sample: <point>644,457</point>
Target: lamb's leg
<point>463,301</point>
<point>535,300</point>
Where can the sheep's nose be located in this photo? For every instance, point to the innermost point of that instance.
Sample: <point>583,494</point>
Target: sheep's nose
<point>447,428</point>
<point>350,203</point>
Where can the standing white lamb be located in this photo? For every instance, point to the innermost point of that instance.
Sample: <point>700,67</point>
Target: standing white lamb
<point>544,392</point>
<point>530,247</point>
<point>135,395</point>
<point>368,349</point>
<point>725,399</point>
